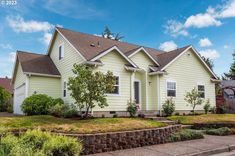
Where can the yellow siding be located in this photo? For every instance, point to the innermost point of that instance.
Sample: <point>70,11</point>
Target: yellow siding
<point>65,65</point>
<point>45,85</point>
<point>20,76</point>
<point>115,63</point>
<point>187,71</point>
<point>148,90</point>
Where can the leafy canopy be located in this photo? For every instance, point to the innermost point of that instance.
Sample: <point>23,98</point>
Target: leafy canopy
<point>193,98</point>
<point>89,88</point>
<point>4,99</point>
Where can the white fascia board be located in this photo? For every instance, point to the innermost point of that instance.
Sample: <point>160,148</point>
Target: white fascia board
<point>142,48</point>
<point>110,50</point>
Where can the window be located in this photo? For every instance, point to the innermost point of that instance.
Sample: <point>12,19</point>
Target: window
<point>171,89</point>
<point>61,52</point>
<point>116,86</point>
<point>201,90</point>
<point>65,89</point>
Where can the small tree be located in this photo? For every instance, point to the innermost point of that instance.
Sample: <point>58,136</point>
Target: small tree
<point>132,108</point>
<point>207,106</point>
<point>193,98</point>
<point>89,88</point>
<point>4,99</point>
<point>168,107</point>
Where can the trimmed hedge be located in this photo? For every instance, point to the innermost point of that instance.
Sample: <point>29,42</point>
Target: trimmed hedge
<point>220,131</point>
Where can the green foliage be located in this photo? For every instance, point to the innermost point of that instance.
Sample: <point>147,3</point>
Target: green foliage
<point>220,131</point>
<point>186,134</point>
<point>38,143</point>
<point>63,110</point>
<point>231,74</point>
<point>37,104</point>
<point>89,88</point>
<point>168,107</point>
<point>209,62</point>
<point>57,101</point>
<point>4,99</point>
<point>132,108</point>
<point>207,106</point>
<point>193,98</point>
<point>10,108</point>
<point>213,109</point>
<point>108,34</point>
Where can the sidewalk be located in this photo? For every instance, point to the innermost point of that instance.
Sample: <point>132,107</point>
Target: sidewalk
<point>208,146</point>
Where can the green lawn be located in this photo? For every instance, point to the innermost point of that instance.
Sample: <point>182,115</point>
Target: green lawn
<point>206,118</point>
<point>51,123</point>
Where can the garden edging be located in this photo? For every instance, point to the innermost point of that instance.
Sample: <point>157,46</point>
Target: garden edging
<point>111,141</point>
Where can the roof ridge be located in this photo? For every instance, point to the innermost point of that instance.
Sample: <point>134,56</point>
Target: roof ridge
<point>19,51</point>
<point>110,39</point>
<point>174,50</point>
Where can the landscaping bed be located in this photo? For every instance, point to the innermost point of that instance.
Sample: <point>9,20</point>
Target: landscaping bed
<point>61,125</point>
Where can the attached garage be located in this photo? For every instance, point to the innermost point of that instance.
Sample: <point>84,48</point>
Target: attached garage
<point>19,96</point>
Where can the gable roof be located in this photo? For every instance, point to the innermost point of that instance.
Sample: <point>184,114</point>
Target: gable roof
<point>37,64</point>
<point>6,83</point>
<point>91,46</point>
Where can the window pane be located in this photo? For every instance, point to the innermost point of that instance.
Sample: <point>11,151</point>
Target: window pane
<point>59,52</point>
<point>171,85</point>
<point>171,93</point>
<point>202,94</point>
<point>117,80</point>
<point>201,88</point>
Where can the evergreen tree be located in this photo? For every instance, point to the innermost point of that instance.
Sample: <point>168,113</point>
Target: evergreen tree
<point>108,34</point>
<point>231,74</point>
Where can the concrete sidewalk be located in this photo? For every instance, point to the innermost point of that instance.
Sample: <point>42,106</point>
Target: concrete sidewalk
<point>202,147</point>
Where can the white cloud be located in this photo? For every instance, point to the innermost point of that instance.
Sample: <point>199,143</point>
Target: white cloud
<point>226,46</point>
<point>228,10</point>
<point>5,46</point>
<point>175,28</point>
<point>18,24</point>
<point>168,46</point>
<point>12,56</point>
<point>210,53</point>
<point>202,20</point>
<point>205,42</point>
<point>46,38</point>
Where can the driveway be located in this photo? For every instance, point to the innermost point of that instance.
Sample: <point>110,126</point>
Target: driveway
<point>208,146</point>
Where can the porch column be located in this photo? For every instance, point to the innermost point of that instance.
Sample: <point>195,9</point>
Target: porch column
<point>146,90</point>
<point>158,95</point>
<point>132,98</point>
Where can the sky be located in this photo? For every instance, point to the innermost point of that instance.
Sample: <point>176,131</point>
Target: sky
<point>208,25</point>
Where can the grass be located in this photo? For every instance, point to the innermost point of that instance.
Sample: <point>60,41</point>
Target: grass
<point>205,118</point>
<point>186,134</point>
<point>98,125</point>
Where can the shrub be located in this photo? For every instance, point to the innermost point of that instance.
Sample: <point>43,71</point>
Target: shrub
<point>37,104</point>
<point>177,113</point>
<point>207,106</point>
<point>115,115</point>
<point>220,131</point>
<point>38,143</point>
<point>132,108</point>
<point>212,110</point>
<point>10,108</point>
<point>63,110</point>
<point>168,107</point>
<point>57,101</point>
<point>185,134</point>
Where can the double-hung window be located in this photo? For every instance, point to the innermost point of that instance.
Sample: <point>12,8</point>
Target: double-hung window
<point>61,52</point>
<point>171,89</point>
<point>201,90</point>
<point>116,86</point>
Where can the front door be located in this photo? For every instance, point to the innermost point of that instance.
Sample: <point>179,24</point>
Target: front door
<point>137,92</point>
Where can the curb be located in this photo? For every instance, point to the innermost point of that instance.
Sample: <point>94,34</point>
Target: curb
<point>215,151</point>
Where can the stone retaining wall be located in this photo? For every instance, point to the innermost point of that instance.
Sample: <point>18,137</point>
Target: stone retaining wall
<point>104,142</point>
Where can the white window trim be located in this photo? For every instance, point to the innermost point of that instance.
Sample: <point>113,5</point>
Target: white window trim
<point>64,89</point>
<point>175,89</point>
<point>62,51</point>
<point>202,84</point>
<point>119,88</point>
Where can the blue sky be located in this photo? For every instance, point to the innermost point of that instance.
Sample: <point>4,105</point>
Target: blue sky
<point>207,25</point>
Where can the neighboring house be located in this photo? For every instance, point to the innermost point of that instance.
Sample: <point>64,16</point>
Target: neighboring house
<point>143,74</point>
<point>228,86</point>
<point>6,84</point>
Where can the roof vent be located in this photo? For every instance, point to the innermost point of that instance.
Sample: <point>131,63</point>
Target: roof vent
<point>92,45</point>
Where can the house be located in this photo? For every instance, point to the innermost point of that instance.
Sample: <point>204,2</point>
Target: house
<point>6,84</point>
<point>146,75</point>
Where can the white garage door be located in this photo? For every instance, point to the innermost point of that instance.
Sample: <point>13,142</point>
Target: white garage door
<point>19,96</point>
